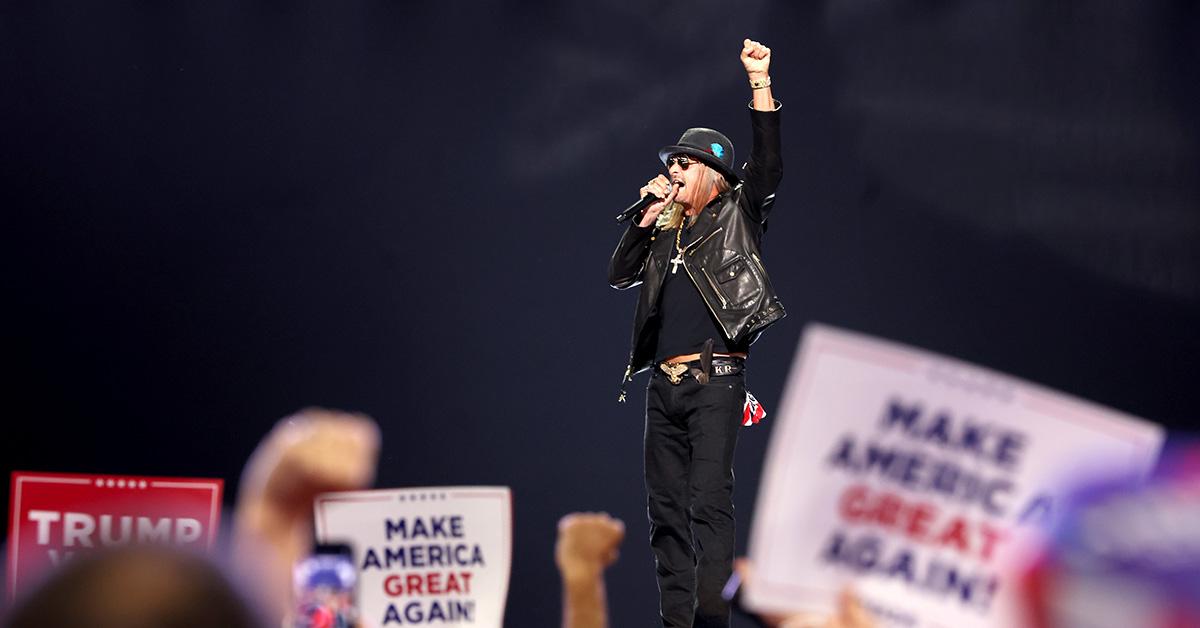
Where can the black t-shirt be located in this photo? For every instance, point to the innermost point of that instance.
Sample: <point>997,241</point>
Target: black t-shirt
<point>684,320</point>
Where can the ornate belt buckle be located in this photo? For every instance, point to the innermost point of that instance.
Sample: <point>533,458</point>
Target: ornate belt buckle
<point>674,371</point>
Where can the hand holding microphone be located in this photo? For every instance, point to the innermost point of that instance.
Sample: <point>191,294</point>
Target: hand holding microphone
<point>657,194</point>
<point>662,192</point>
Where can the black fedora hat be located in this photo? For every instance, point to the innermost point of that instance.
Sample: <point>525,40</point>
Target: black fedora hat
<point>707,145</point>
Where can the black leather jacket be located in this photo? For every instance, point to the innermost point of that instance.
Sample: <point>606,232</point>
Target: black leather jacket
<point>722,259</point>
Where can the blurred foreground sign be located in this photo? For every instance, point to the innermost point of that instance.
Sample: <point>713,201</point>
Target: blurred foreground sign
<point>920,478</point>
<point>426,556</point>
<point>55,516</point>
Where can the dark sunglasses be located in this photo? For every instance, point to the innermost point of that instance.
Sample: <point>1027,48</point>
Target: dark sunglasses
<point>683,160</point>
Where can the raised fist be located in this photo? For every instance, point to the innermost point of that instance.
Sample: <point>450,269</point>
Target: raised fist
<point>756,58</point>
<point>587,543</point>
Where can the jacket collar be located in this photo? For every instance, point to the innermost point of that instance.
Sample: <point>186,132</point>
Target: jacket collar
<point>707,218</point>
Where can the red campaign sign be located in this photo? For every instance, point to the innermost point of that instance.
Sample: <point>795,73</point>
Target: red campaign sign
<point>54,516</point>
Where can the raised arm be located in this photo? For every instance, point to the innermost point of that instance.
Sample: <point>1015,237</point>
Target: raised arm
<point>756,58</point>
<point>764,169</point>
<point>587,545</point>
<point>313,451</point>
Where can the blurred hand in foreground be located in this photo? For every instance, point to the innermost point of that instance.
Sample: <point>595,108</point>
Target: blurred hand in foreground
<point>311,452</point>
<point>587,544</point>
<point>848,614</point>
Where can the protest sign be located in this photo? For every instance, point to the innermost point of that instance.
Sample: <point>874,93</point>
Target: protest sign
<point>920,478</point>
<point>55,516</point>
<point>438,555</point>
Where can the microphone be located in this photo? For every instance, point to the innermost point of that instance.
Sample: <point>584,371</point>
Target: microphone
<point>646,201</point>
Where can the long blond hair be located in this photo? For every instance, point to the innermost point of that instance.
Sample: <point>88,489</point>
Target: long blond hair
<point>711,185</point>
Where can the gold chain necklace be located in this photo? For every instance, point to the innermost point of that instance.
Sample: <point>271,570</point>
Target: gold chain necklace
<point>678,259</point>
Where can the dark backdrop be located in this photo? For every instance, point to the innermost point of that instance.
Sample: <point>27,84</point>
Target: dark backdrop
<point>219,212</point>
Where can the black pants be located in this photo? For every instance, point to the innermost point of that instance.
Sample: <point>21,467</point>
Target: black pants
<point>691,432</point>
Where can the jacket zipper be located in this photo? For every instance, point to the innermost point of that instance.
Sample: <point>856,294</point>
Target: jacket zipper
<point>707,304</point>
<point>690,250</point>
<point>716,291</point>
<point>760,264</point>
<point>706,239</point>
<point>625,379</point>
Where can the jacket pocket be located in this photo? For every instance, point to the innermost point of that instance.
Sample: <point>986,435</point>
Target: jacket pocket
<point>731,270</point>
<point>737,283</point>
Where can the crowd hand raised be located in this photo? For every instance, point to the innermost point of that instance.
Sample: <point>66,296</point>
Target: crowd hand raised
<point>756,58</point>
<point>661,187</point>
<point>311,452</point>
<point>849,612</point>
<point>308,453</point>
<point>587,543</point>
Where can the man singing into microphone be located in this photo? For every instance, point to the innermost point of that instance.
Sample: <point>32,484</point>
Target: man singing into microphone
<point>705,297</point>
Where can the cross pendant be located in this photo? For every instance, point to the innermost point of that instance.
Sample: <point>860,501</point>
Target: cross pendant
<point>676,262</point>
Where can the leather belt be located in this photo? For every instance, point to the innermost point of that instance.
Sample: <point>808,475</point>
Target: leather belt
<point>721,366</point>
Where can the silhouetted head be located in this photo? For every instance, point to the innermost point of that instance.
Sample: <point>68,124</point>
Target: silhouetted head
<point>135,587</point>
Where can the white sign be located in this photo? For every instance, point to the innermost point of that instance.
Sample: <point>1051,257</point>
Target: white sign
<point>425,556</point>
<point>919,478</point>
